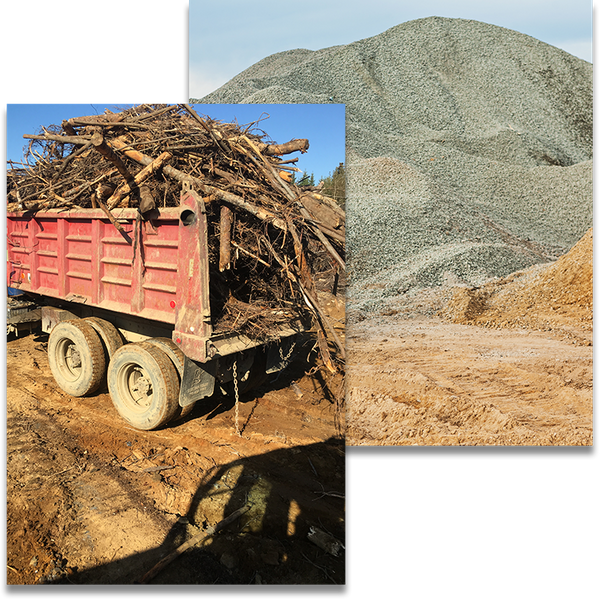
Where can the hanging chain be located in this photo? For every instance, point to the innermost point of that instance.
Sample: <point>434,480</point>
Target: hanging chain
<point>236,390</point>
<point>237,398</point>
<point>286,358</point>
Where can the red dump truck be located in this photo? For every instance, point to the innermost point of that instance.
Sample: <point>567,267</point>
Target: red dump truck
<point>132,305</point>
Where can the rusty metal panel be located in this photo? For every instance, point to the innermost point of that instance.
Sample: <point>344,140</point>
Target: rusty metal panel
<point>160,247</point>
<point>53,316</point>
<point>19,252</point>
<point>115,273</point>
<point>192,312</point>
<point>77,259</point>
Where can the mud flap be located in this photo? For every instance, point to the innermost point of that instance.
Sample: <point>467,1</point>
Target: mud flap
<point>198,381</point>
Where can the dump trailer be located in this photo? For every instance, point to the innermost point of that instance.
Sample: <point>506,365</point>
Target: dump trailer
<point>127,300</point>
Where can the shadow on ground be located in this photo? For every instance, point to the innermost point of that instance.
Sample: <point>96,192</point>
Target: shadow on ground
<point>292,533</point>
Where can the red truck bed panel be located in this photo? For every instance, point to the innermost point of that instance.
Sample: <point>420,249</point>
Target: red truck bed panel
<point>79,255</point>
<point>160,272</point>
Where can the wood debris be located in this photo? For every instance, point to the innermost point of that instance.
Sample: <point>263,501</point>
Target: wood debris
<point>273,244</point>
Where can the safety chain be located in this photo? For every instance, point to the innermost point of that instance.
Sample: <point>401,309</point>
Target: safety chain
<point>237,398</point>
<point>286,358</point>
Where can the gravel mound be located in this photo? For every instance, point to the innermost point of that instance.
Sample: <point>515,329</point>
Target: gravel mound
<point>469,148</point>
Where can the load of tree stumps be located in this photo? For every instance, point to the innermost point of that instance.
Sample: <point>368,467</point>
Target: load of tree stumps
<point>272,245</point>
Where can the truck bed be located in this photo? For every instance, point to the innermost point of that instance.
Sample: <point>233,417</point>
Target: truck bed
<point>155,270</point>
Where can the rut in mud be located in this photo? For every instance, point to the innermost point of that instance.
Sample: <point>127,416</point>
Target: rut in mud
<point>506,363</point>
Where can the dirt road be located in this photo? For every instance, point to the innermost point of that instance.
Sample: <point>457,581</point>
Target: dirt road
<point>93,501</point>
<point>425,381</point>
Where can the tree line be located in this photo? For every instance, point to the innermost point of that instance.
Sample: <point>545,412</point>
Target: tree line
<point>334,185</point>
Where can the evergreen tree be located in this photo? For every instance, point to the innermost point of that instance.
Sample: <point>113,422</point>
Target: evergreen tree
<point>335,185</point>
<point>307,180</point>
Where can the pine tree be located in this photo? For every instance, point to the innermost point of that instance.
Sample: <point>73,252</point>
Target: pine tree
<point>335,185</point>
<point>307,180</point>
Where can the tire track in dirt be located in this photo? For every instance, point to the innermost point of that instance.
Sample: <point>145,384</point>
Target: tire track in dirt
<point>428,382</point>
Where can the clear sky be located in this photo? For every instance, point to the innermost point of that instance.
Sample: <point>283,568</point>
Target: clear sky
<point>22,119</point>
<point>322,124</point>
<point>229,36</point>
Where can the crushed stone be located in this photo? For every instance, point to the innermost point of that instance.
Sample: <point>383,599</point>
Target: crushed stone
<point>469,149</point>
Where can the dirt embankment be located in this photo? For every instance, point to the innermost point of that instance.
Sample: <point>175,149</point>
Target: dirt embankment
<point>90,500</point>
<point>558,297</point>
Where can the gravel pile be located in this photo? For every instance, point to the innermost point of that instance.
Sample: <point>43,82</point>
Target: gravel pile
<point>469,149</point>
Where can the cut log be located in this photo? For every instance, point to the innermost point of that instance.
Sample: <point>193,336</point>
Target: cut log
<point>331,203</point>
<point>111,118</point>
<point>106,151</point>
<point>321,212</point>
<point>68,128</point>
<point>147,201</point>
<point>78,140</point>
<point>287,148</point>
<point>126,188</point>
<point>277,149</point>
<point>105,190</point>
<point>225,238</point>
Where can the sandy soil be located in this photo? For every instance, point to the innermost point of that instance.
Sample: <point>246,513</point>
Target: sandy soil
<point>93,501</point>
<point>425,381</point>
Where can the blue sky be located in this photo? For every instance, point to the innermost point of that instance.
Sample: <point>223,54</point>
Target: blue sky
<point>229,36</point>
<point>322,124</point>
<point>28,119</point>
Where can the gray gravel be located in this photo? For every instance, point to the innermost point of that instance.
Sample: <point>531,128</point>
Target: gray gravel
<point>469,148</point>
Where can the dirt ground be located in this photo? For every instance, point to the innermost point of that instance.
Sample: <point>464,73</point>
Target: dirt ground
<point>506,364</point>
<point>90,500</point>
<point>429,382</point>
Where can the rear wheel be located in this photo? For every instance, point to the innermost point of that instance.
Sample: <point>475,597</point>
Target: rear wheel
<point>143,385</point>
<point>76,357</point>
<point>110,335</point>
<point>177,357</point>
<point>172,350</point>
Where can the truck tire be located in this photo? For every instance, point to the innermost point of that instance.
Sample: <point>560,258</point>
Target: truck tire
<point>143,385</point>
<point>76,357</point>
<point>110,335</point>
<point>177,357</point>
<point>172,350</point>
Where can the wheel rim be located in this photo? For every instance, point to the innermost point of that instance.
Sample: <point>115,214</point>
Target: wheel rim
<point>135,387</point>
<point>69,359</point>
